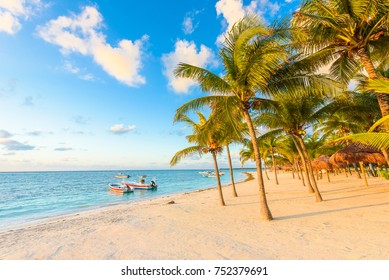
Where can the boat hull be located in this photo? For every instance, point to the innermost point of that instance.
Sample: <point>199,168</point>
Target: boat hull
<point>140,186</point>
<point>119,188</point>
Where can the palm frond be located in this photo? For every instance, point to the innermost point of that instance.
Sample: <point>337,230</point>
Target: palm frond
<point>185,153</point>
<point>373,139</point>
<point>196,104</point>
<point>382,121</point>
<point>378,85</point>
<point>208,81</point>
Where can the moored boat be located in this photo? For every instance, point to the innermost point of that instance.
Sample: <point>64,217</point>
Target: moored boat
<point>210,173</point>
<point>142,185</point>
<point>121,176</point>
<point>120,188</point>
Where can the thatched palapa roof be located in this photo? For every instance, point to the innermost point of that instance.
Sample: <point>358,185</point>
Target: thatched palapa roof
<point>355,153</point>
<point>322,162</point>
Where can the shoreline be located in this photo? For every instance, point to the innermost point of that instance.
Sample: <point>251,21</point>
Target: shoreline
<point>352,223</point>
<point>76,212</point>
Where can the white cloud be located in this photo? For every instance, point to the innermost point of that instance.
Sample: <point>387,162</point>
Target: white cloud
<point>69,67</point>
<point>12,145</point>
<point>13,11</point>
<point>234,10</point>
<point>188,25</point>
<point>28,101</point>
<point>81,34</point>
<point>39,133</point>
<point>185,52</point>
<point>121,129</point>
<point>63,149</point>
<point>79,119</point>
<point>5,134</point>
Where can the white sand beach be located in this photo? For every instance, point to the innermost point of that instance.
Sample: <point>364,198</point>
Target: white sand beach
<point>352,223</point>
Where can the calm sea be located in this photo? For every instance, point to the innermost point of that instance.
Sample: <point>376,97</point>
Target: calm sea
<point>31,196</point>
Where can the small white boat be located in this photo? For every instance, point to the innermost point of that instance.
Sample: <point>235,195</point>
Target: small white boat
<point>120,188</point>
<point>210,173</point>
<point>121,176</point>
<point>142,185</point>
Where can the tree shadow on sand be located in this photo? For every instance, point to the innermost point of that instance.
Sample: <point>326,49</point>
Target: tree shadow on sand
<point>328,211</point>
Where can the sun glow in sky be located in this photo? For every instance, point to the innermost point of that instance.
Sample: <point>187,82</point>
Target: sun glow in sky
<point>88,85</point>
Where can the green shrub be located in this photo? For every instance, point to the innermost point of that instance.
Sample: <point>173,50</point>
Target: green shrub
<point>385,174</point>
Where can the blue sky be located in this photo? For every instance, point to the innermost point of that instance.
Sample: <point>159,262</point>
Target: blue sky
<point>88,85</point>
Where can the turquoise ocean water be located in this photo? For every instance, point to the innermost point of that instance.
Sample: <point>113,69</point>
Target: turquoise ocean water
<point>32,196</point>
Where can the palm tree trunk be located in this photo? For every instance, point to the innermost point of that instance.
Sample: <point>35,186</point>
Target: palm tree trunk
<point>296,166</point>
<point>300,173</point>
<point>314,185</point>
<point>383,99</point>
<point>265,211</point>
<point>267,175</point>
<point>385,152</point>
<point>274,165</point>
<point>219,185</point>
<point>310,189</point>
<point>234,193</point>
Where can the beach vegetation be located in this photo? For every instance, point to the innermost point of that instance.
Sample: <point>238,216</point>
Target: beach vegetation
<point>257,61</point>
<point>274,77</point>
<point>206,141</point>
<point>350,35</point>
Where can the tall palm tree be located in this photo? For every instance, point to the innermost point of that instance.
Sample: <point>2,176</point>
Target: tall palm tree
<point>226,113</point>
<point>226,116</point>
<point>243,60</point>
<point>206,141</point>
<point>293,115</point>
<point>255,61</point>
<point>349,33</point>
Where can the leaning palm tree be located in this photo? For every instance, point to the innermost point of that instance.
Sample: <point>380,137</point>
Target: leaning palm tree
<point>293,115</point>
<point>226,113</point>
<point>255,62</point>
<point>351,34</point>
<point>206,141</point>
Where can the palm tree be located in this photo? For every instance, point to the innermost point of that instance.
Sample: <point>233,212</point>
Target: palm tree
<point>243,63</point>
<point>288,150</point>
<point>356,113</point>
<point>247,153</point>
<point>255,61</point>
<point>349,33</point>
<point>226,113</point>
<point>207,141</point>
<point>293,115</point>
<point>268,145</point>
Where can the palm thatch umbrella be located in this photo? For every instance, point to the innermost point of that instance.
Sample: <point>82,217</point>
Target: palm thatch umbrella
<point>322,162</point>
<point>358,153</point>
<point>287,167</point>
